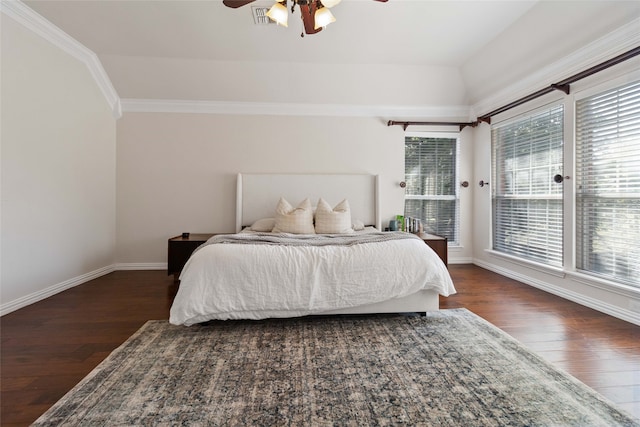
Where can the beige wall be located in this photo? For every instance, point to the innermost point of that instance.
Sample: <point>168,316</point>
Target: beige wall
<point>177,172</point>
<point>58,170</point>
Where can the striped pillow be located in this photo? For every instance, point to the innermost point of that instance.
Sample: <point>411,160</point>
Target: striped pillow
<point>297,220</point>
<point>333,221</point>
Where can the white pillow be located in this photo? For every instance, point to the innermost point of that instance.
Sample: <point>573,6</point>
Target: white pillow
<point>263,225</point>
<point>297,220</point>
<point>333,221</point>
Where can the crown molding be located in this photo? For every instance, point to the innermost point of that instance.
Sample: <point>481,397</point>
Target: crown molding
<point>37,24</point>
<point>615,43</point>
<point>289,109</point>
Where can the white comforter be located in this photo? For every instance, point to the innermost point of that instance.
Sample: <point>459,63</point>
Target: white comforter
<point>246,281</point>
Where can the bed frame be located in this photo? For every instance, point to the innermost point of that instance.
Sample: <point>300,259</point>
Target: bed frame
<point>258,194</point>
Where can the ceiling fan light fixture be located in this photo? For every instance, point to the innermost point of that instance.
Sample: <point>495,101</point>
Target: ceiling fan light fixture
<point>315,14</point>
<point>323,17</point>
<point>330,3</point>
<point>279,13</point>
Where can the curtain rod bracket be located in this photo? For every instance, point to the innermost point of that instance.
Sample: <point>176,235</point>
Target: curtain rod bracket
<point>566,88</point>
<point>472,124</point>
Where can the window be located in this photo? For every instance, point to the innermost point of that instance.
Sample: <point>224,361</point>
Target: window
<point>526,202</point>
<point>608,184</point>
<point>431,169</point>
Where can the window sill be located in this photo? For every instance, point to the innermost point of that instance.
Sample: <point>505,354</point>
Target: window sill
<point>554,271</point>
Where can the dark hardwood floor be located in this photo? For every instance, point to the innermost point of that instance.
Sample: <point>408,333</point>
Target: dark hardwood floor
<point>51,345</point>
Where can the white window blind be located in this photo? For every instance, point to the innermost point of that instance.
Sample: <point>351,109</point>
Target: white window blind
<point>527,203</point>
<point>608,184</point>
<point>431,168</point>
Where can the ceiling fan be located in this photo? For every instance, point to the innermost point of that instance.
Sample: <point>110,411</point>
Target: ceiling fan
<point>315,13</point>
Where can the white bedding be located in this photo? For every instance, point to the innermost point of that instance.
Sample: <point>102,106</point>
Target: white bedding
<point>247,281</point>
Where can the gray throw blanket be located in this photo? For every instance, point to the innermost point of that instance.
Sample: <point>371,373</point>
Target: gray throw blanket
<point>287,239</point>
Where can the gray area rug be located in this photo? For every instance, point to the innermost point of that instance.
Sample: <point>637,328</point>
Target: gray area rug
<point>450,368</point>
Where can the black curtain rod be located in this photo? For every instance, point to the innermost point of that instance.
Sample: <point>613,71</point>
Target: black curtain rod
<point>563,85</point>
<point>405,124</point>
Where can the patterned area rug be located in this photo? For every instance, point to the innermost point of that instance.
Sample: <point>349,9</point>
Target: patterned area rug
<point>450,368</point>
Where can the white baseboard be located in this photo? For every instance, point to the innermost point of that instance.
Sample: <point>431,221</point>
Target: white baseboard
<point>140,266</point>
<point>52,290</point>
<point>459,260</point>
<point>75,281</point>
<point>601,306</point>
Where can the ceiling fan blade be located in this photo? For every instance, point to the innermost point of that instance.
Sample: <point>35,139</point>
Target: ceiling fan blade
<point>308,12</point>
<point>236,3</point>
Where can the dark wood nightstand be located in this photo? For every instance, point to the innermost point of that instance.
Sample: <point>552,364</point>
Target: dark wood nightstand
<point>439,244</point>
<point>180,249</point>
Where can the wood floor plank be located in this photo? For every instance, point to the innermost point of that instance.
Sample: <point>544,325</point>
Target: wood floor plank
<point>601,351</point>
<point>50,346</point>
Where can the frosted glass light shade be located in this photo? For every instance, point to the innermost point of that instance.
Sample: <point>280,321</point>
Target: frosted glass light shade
<point>279,14</point>
<point>323,17</point>
<point>330,3</point>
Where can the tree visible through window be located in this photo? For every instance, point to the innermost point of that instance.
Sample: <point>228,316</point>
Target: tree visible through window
<point>431,168</point>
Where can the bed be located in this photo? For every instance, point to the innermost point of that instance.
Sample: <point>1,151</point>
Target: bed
<point>276,266</point>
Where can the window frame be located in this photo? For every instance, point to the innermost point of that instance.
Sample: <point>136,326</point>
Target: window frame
<point>569,272</point>
<point>581,275</point>
<point>517,115</point>
<point>456,196</point>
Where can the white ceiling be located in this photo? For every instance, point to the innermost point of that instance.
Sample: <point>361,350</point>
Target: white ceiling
<point>366,31</point>
<point>179,49</point>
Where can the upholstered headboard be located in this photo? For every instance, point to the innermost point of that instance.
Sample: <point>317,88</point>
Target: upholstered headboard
<point>258,194</point>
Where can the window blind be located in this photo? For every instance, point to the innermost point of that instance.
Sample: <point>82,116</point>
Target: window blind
<point>526,202</point>
<point>431,168</point>
<point>608,184</point>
